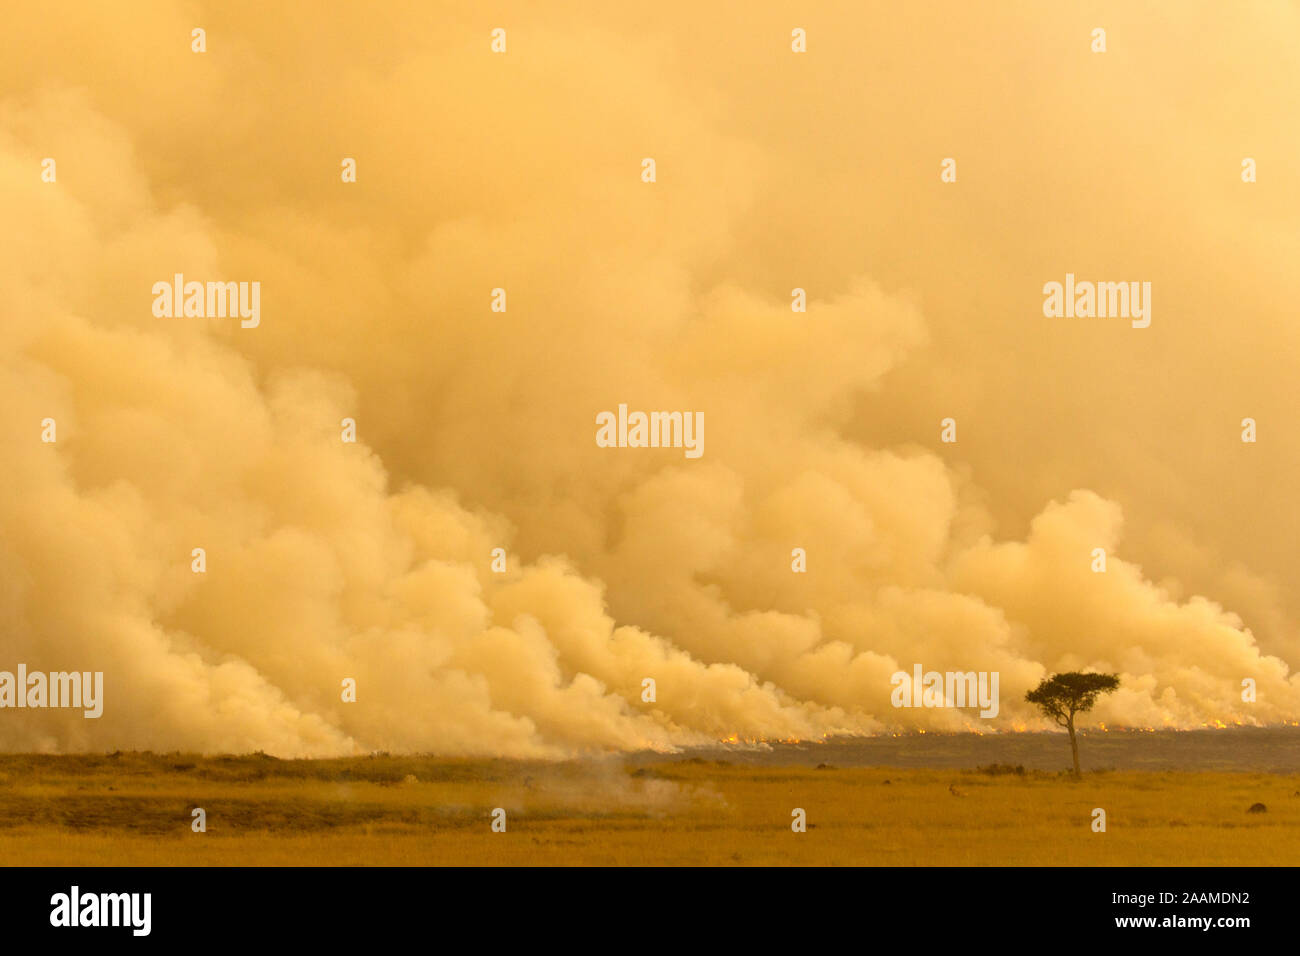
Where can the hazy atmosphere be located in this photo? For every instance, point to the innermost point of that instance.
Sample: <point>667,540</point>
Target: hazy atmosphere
<point>327,560</point>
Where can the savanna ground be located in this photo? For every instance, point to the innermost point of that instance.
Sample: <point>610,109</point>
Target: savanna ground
<point>135,809</point>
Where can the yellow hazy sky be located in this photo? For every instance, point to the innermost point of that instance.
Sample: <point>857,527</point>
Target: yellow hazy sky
<point>476,170</point>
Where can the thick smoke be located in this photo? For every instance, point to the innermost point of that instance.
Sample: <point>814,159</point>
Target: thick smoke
<point>329,560</point>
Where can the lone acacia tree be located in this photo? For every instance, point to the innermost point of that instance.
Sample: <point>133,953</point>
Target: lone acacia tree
<point>1061,696</point>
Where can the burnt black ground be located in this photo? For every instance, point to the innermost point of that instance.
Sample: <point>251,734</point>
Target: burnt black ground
<point>1246,749</point>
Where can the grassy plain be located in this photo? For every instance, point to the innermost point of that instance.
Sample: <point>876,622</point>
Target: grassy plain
<point>136,809</point>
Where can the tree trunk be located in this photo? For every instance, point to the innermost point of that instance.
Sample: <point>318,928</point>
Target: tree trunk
<point>1074,746</point>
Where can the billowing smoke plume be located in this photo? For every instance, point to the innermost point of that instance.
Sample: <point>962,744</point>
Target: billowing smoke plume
<point>372,561</point>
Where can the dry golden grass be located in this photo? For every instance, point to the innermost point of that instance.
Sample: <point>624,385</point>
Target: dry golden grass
<point>134,809</point>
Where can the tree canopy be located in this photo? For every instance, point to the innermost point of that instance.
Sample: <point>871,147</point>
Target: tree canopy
<point>1061,696</point>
